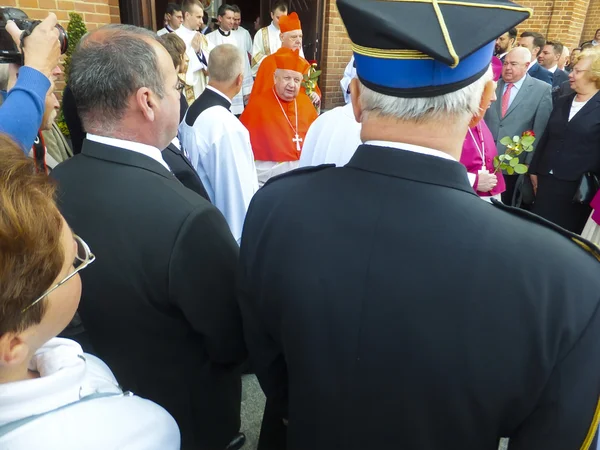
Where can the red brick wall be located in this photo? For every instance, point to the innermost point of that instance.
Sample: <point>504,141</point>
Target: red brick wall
<point>558,20</point>
<point>336,55</point>
<point>592,21</point>
<point>95,13</point>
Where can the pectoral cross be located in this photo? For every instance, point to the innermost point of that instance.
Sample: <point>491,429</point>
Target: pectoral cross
<point>297,140</point>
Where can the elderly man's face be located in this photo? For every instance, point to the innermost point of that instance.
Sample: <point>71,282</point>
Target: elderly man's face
<point>287,84</point>
<point>514,67</point>
<point>51,108</point>
<point>292,39</point>
<point>237,20</point>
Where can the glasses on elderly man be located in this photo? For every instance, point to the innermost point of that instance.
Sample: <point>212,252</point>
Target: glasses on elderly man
<point>83,258</point>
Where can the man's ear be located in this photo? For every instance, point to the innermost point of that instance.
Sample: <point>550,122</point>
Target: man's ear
<point>355,99</point>
<point>144,99</point>
<point>13,349</point>
<point>240,80</point>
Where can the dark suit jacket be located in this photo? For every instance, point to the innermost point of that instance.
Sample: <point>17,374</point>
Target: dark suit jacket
<point>184,171</point>
<point>366,322</point>
<point>570,148</point>
<point>541,73</point>
<point>159,302</point>
<point>559,77</point>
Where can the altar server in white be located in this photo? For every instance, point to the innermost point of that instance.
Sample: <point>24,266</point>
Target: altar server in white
<point>332,138</point>
<point>349,73</point>
<point>240,33</point>
<point>217,142</point>
<point>224,35</point>
<point>197,46</point>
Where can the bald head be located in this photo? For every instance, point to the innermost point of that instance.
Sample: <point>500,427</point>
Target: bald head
<point>520,54</point>
<point>225,64</point>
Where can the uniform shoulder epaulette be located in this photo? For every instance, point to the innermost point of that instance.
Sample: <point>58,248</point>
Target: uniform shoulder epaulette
<point>300,171</point>
<point>581,242</point>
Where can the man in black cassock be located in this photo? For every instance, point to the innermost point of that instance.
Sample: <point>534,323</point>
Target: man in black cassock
<point>384,304</point>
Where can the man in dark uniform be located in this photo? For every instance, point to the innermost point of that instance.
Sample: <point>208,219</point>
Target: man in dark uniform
<point>386,305</point>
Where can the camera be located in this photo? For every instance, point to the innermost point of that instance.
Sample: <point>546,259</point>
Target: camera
<point>9,52</point>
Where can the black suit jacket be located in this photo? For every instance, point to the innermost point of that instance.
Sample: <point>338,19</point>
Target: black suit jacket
<point>159,302</point>
<point>184,171</point>
<point>541,73</point>
<point>72,120</point>
<point>361,292</point>
<point>570,148</point>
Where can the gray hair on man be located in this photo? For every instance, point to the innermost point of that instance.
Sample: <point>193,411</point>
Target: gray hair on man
<point>108,67</point>
<point>225,63</point>
<point>449,108</point>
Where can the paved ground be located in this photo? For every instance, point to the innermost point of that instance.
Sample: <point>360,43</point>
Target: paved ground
<point>253,405</point>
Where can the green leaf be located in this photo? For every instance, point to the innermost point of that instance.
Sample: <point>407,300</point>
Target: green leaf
<point>515,139</point>
<point>496,162</point>
<point>528,148</point>
<point>506,140</point>
<point>510,170</point>
<point>527,141</point>
<point>317,73</point>
<point>521,168</point>
<point>507,157</point>
<point>514,162</point>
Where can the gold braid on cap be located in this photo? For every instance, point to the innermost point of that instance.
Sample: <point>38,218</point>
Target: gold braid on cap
<point>416,54</point>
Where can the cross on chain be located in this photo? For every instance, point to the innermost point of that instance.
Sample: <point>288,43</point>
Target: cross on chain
<point>297,140</point>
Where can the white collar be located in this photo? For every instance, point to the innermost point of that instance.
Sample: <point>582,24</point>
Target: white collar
<point>412,148</point>
<point>502,55</point>
<point>218,92</point>
<point>62,367</point>
<point>553,69</point>
<point>533,63</point>
<point>183,29</point>
<point>148,150</point>
<point>273,28</point>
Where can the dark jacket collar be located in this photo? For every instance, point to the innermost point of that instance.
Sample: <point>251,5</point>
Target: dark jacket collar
<point>207,99</point>
<point>591,105</point>
<point>412,166</point>
<point>122,156</point>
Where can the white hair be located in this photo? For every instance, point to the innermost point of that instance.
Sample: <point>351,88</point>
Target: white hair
<point>447,108</point>
<point>225,64</point>
<point>522,52</point>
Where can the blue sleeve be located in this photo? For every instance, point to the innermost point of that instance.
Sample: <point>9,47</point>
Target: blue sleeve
<point>22,111</point>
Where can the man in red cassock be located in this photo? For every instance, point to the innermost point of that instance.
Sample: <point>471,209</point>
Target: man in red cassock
<point>279,118</point>
<point>291,38</point>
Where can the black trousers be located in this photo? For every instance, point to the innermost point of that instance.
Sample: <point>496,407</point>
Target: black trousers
<point>273,433</point>
<point>554,202</point>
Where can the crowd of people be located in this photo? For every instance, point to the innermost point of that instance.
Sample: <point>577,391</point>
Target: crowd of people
<point>179,248</point>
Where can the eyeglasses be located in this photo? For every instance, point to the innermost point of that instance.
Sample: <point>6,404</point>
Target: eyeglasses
<point>578,71</point>
<point>83,258</point>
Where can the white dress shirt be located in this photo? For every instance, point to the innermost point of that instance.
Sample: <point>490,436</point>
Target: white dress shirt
<point>553,69</point>
<point>514,91</point>
<point>147,150</point>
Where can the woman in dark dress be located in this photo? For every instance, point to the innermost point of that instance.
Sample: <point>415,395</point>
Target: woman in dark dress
<point>569,148</point>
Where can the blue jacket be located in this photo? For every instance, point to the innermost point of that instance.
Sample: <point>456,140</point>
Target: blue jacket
<point>23,108</point>
<point>541,73</point>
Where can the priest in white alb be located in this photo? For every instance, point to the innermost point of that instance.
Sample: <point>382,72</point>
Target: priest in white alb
<point>278,119</point>
<point>197,46</point>
<point>240,33</point>
<point>218,144</point>
<point>224,35</point>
